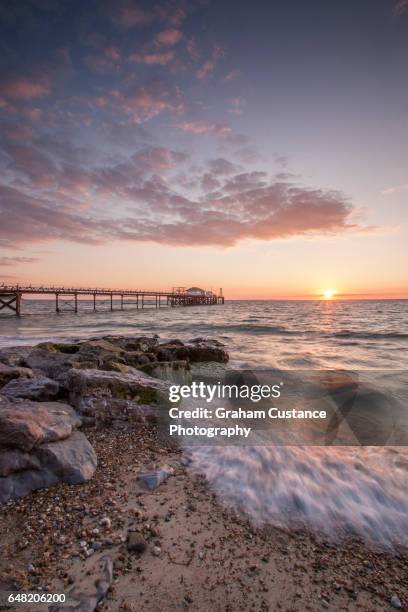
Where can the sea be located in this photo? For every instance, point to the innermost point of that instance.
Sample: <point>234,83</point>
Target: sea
<point>342,490</point>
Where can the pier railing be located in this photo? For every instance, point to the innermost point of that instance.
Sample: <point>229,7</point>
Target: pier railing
<point>66,298</point>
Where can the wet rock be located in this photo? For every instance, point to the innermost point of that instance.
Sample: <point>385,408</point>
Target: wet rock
<point>39,388</point>
<point>152,479</point>
<point>136,542</point>
<point>116,412</point>
<point>15,356</point>
<point>199,351</point>
<point>7,373</point>
<point>174,371</point>
<point>396,602</point>
<point>132,385</point>
<point>27,424</point>
<point>208,341</point>
<point>139,344</point>
<point>52,361</point>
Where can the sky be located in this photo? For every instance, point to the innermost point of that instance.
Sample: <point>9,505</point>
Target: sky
<point>260,147</point>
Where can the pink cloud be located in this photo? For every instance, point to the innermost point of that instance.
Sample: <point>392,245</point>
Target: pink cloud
<point>159,158</point>
<point>127,16</point>
<point>153,58</point>
<point>205,70</point>
<point>204,127</point>
<point>145,102</point>
<point>12,261</point>
<point>24,88</point>
<point>400,7</point>
<point>396,189</point>
<point>169,37</point>
<point>233,206</point>
<point>231,75</point>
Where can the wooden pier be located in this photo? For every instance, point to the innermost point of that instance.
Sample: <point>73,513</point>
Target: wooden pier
<point>66,298</point>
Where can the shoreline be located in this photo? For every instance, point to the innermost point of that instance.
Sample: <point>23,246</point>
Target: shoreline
<point>169,539</point>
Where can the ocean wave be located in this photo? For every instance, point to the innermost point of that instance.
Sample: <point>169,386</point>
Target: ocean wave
<point>362,335</point>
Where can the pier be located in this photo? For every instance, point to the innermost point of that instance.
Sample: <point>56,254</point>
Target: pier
<point>68,298</point>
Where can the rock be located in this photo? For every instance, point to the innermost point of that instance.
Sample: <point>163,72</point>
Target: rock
<point>156,550</point>
<point>20,484</point>
<point>106,522</point>
<point>174,371</point>
<point>27,424</point>
<point>73,460</point>
<point>52,361</point>
<point>15,356</point>
<point>7,373</point>
<point>136,542</point>
<point>396,602</point>
<point>39,388</point>
<point>194,352</point>
<point>152,479</point>
<point>16,460</point>
<point>96,384</point>
<point>208,341</point>
<point>139,344</point>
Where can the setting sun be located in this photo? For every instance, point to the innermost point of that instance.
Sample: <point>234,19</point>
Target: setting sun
<point>328,294</point>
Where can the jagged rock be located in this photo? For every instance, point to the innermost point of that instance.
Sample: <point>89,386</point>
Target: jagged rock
<point>27,424</point>
<point>52,361</point>
<point>174,371</point>
<point>131,385</point>
<point>109,410</point>
<point>15,355</point>
<point>7,373</point>
<point>73,460</point>
<point>199,351</point>
<point>208,341</point>
<point>142,344</point>
<point>40,388</point>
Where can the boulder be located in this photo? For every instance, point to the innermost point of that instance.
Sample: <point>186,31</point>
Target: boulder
<point>39,388</point>
<point>20,484</point>
<point>130,385</point>
<point>72,460</point>
<point>142,344</point>
<point>197,351</point>
<point>48,359</point>
<point>15,460</point>
<point>7,373</point>
<point>118,411</point>
<point>15,355</point>
<point>27,424</point>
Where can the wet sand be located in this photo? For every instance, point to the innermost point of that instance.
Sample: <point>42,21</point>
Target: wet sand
<point>193,553</point>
